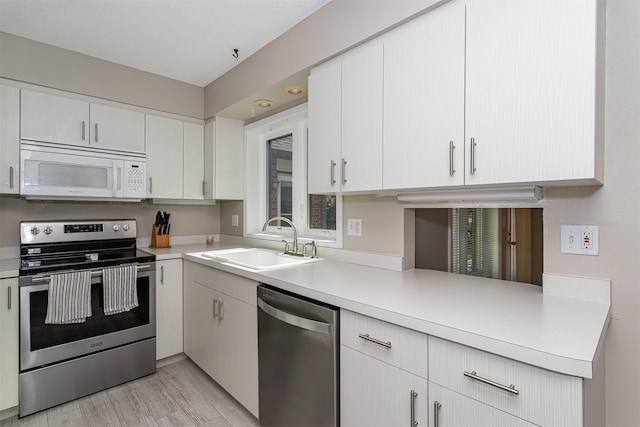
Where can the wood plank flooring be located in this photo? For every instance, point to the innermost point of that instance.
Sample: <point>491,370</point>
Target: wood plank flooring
<point>178,394</point>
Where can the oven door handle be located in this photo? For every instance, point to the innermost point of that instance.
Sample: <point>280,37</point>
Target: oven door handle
<point>94,273</point>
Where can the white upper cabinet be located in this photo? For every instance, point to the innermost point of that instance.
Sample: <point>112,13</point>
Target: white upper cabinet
<point>424,101</point>
<point>226,160</point>
<point>9,140</point>
<point>361,161</point>
<point>193,186</point>
<point>531,92</point>
<point>52,118</point>
<point>325,121</point>
<point>164,157</point>
<point>345,123</point>
<point>116,128</point>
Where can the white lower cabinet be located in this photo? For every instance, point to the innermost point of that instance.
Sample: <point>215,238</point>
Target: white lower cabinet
<point>537,395</point>
<point>8,343</point>
<point>168,308</point>
<point>221,329</point>
<point>374,393</point>
<point>451,409</point>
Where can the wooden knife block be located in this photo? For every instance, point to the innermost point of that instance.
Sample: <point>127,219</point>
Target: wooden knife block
<point>159,240</point>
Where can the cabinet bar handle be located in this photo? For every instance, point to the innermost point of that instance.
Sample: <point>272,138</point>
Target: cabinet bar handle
<point>150,185</point>
<point>414,394</point>
<point>9,298</point>
<point>162,274</point>
<point>204,188</point>
<point>333,172</point>
<point>220,310</point>
<point>474,375</point>
<point>10,176</point>
<point>83,125</point>
<point>215,301</point>
<point>343,171</point>
<point>436,409</point>
<point>96,133</point>
<point>473,156</point>
<point>451,148</point>
<point>373,340</point>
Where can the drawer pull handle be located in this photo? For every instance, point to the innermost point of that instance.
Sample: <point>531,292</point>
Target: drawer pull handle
<point>436,410</point>
<point>474,375</point>
<point>414,394</point>
<point>373,340</point>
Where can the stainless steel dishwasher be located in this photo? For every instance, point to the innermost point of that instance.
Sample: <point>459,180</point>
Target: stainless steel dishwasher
<point>298,344</point>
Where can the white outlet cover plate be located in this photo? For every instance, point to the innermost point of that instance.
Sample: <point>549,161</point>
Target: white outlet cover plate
<point>570,236</point>
<point>354,227</point>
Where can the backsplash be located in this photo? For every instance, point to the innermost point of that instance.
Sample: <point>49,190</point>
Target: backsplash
<point>185,220</point>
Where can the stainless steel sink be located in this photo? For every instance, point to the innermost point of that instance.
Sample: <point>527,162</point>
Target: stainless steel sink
<point>255,258</point>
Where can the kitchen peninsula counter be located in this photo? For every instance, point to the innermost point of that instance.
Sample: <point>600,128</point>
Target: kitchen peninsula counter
<point>509,319</point>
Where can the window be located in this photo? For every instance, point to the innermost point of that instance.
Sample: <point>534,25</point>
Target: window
<point>475,242</point>
<point>275,176</point>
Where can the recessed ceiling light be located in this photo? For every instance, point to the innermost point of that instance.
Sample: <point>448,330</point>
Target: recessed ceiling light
<point>263,103</point>
<point>294,90</point>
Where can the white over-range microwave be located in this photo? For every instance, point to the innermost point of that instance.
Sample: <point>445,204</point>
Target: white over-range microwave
<point>50,171</point>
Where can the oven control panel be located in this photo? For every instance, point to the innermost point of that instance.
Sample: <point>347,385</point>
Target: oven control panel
<point>70,231</point>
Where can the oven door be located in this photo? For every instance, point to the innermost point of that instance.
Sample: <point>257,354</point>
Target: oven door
<point>43,344</point>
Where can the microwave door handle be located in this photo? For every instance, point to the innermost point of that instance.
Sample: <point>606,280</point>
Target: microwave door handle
<point>114,184</point>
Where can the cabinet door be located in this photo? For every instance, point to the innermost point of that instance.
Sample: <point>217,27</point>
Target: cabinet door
<point>374,393</point>
<point>362,120</point>
<point>229,159</point>
<point>53,118</point>
<point>9,140</point>
<point>164,157</point>
<point>116,128</point>
<point>325,122</point>
<point>530,82</point>
<point>8,343</point>
<point>202,331</point>
<point>168,308</point>
<point>456,410</point>
<point>424,101</point>
<point>193,161</point>
<point>239,361</point>
<point>209,161</point>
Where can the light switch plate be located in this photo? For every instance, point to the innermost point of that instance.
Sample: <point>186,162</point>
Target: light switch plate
<point>579,239</point>
<point>234,220</point>
<point>354,227</point>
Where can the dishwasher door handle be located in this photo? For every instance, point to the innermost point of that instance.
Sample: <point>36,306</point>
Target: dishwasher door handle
<point>300,322</point>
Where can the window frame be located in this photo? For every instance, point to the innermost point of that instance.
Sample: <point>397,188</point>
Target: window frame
<point>293,121</point>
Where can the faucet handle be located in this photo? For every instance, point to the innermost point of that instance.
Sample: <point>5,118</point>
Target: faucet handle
<point>286,246</point>
<point>313,249</point>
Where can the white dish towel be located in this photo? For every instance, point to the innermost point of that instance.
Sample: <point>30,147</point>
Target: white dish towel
<point>69,299</point>
<point>119,287</point>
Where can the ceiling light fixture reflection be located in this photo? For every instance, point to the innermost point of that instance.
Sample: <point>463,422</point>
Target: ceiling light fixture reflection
<point>263,103</point>
<point>294,90</point>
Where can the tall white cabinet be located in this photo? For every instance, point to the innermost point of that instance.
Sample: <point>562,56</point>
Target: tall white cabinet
<point>424,101</point>
<point>531,91</point>
<point>169,308</point>
<point>164,157</point>
<point>345,123</point>
<point>8,343</point>
<point>9,140</point>
<point>224,159</point>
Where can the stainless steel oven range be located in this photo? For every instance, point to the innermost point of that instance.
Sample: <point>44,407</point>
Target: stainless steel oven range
<point>63,360</point>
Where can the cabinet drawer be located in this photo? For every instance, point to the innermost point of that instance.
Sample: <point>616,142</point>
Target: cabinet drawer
<point>544,397</point>
<point>229,284</point>
<point>398,346</point>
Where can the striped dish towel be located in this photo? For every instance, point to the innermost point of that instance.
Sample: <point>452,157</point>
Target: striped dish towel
<point>119,287</point>
<point>69,299</point>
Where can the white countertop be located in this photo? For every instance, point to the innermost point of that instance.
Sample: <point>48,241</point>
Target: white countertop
<point>9,267</point>
<point>510,319</point>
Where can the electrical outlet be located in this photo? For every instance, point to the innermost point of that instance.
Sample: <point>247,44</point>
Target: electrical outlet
<point>579,239</point>
<point>234,220</point>
<point>354,227</point>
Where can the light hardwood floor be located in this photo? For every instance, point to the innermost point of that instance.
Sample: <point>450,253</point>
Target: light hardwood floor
<point>178,394</point>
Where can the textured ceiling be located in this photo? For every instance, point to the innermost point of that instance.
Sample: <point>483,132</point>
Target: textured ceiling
<point>187,40</point>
